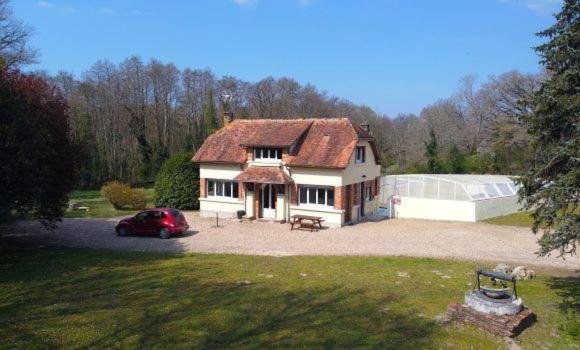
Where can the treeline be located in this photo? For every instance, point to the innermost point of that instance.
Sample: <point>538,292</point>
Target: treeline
<point>128,118</point>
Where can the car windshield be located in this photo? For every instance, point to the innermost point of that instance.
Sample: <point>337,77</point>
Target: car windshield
<point>175,213</point>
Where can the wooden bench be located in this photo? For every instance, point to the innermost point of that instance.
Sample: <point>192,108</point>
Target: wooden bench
<point>306,222</point>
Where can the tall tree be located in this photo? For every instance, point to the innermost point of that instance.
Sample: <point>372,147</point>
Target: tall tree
<point>36,151</point>
<point>210,114</point>
<point>551,187</point>
<point>14,36</point>
<point>431,153</point>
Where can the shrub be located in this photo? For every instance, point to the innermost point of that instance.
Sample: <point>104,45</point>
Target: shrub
<point>122,196</point>
<point>177,183</point>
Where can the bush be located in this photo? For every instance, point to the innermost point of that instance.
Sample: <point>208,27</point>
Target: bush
<point>177,183</point>
<point>122,196</point>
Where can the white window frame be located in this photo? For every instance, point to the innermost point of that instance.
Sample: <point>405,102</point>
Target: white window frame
<point>360,154</point>
<point>232,185</point>
<point>316,190</point>
<point>273,154</point>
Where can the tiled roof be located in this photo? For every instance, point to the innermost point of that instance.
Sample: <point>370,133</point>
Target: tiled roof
<point>263,174</point>
<point>274,133</point>
<point>326,143</point>
<point>329,143</point>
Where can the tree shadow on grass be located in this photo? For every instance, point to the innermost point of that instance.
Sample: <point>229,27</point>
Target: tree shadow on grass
<point>568,288</point>
<point>152,300</point>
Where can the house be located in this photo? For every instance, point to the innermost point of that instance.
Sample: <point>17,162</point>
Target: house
<point>274,169</point>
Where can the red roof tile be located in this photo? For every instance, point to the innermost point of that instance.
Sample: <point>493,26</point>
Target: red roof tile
<point>263,174</point>
<point>326,143</point>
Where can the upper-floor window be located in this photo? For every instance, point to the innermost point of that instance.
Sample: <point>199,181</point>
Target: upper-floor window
<point>267,153</point>
<point>316,195</point>
<point>221,188</point>
<point>360,154</point>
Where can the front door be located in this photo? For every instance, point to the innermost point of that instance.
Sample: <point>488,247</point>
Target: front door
<point>268,202</point>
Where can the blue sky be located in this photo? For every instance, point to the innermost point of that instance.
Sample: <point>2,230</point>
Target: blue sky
<point>395,56</point>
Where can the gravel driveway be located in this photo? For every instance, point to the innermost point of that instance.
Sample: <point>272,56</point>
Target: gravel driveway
<point>407,237</point>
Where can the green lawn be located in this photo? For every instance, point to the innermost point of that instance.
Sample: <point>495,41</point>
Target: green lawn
<point>522,219</point>
<point>72,298</point>
<point>100,207</point>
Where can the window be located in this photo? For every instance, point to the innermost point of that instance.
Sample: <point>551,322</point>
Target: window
<point>267,153</point>
<point>221,188</point>
<point>360,154</point>
<point>316,195</point>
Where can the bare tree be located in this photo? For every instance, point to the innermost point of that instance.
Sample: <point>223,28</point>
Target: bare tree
<point>14,36</point>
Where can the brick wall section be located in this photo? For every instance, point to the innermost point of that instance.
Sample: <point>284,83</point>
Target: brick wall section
<point>293,194</point>
<point>202,188</point>
<point>241,191</point>
<point>355,193</point>
<point>340,197</point>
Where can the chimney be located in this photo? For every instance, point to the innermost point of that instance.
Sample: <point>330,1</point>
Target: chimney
<point>228,118</point>
<point>365,127</point>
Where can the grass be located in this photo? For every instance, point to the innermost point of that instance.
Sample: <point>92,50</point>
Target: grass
<point>100,207</point>
<point>522,219</point>
<point>73,298</point>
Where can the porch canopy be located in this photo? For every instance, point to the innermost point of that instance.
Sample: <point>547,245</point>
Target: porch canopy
<point>265,175</point>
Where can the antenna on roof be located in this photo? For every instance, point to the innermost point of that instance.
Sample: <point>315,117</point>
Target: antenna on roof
<point>227,97</point>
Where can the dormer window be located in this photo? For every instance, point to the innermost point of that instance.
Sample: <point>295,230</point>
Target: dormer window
<point>360,154</point>
<point>267,153</point>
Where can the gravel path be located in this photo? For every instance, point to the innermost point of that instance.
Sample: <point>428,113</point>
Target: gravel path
<point>407,237</point>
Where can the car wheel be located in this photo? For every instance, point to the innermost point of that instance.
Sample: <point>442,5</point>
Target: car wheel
<point>164,233</point>
<point>122,232</point>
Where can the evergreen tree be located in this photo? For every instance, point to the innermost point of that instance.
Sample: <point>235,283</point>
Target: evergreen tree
<point>177,184</point>
<point>210,114</point>
<point>431,149</point>
<point>146,168</point>
<point>551,187</point>
<point>456,160</point>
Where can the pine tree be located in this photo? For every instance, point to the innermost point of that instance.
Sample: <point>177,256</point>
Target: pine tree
<point>456,160</point>
<point>210,114</point>
<point>551,187</point>
<point>431,148</point>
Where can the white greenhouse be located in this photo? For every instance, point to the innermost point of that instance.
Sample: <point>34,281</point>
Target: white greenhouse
<point>449,197</point>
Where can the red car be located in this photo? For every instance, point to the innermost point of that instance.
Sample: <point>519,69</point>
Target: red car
<point>163,222</point>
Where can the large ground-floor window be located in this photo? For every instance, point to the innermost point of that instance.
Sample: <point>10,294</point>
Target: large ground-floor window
<point>222,188</point>
<point>316,195</point>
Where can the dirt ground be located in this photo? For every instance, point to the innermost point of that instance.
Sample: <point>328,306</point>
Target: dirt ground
<point>398,237</point>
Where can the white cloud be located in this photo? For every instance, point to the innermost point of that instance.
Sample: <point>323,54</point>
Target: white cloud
<point>44,4</point>
<point>541,7</point>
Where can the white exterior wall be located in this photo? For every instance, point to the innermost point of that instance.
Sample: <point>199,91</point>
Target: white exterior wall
<point>439,209</point>
<point>332,217</point>
<point>219,171</point>
<point>354,172</point>
<point>316,176</point>
<point>226,208</point>
<point>435,209</point>
<point>491,208</point>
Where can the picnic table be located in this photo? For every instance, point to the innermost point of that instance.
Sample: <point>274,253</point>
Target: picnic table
<point>306,221</point>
